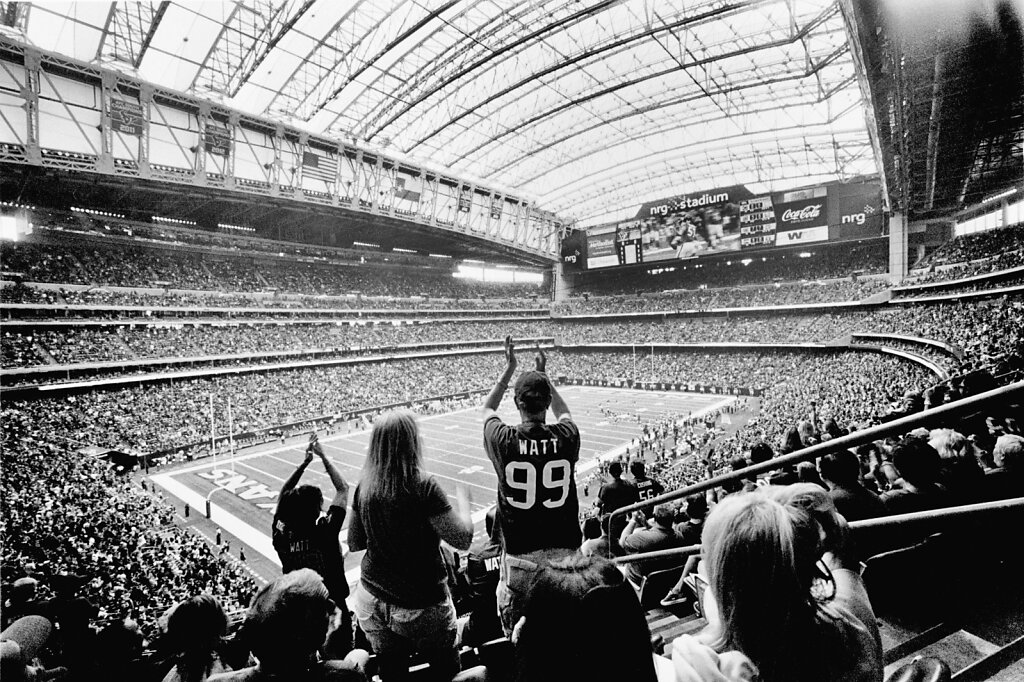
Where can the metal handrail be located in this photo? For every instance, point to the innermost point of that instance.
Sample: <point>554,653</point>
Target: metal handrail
<point>902,425</point>
<point>934,517</point>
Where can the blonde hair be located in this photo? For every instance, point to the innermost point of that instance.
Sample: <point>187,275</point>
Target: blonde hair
<point>948,443</point>
<point>394,460</point>
<point>760,556</point>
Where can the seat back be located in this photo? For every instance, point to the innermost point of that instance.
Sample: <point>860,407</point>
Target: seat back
<point>656,585</point>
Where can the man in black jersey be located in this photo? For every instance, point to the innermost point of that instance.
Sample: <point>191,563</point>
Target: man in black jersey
<point>535,462</point>
<point>646,487</point>
<point>305,539</point>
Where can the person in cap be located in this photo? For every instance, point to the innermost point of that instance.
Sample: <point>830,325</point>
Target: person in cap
<point>538,508</point>
<point>286,625</point>
<point>305,538</point>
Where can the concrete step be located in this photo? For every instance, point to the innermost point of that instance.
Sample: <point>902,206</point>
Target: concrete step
<point>958,649</point>
<point>1013,673</point>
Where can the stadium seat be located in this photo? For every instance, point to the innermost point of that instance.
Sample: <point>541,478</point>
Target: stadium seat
<point>656,585</point>
<point>904,581</point>
<point>496,657</point>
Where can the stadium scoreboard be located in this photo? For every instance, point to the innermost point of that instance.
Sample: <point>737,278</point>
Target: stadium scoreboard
<point>729,219</point>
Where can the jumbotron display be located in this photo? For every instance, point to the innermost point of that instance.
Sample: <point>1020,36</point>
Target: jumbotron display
<point>729,219</point>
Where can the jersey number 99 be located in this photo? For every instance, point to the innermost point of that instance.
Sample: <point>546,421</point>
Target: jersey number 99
<point>555,479</point>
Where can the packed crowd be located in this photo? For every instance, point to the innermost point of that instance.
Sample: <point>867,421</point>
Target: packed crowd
<point>970,247</point>
<point>161,416</point>
<point>1003,261</point>
<point>130,264</point>
<point>1005,280</point>
<point>88,522</point>
<point>85,547</point>
<point>85,344</point>
<point>96,541</point>
<point>940,357</point>
<point>298,304</point>
<point>711,299</point>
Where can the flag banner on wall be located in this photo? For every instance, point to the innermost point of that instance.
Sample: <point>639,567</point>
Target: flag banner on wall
<point>408,187</point>
<point>217,139</point>
<point>319,166</point>
<point>126,117</point>
<point>465,201</point>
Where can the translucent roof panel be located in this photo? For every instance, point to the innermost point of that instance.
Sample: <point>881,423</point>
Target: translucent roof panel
<point>588,107</point>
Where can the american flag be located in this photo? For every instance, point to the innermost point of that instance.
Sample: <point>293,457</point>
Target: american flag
<point>319,167</point>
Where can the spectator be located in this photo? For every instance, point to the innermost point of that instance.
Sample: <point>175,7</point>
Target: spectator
<point>582,622</point>
<point>483,568</point>
<point>689,531</point>
<point>194,631</point>
<point>538,510</point>
<point>595,538</point>
<point>399,516</point>
<point>305,539</point>
<point>637,537</point>
<point>806,472</point>
<point>961,473</point>
<point>647,488</point>
<point>1007,479</point>
<point>286,625</point>
<point>760,560</point>
<point>840,471</point>
<point>616,494</point>
<point>918,487</point>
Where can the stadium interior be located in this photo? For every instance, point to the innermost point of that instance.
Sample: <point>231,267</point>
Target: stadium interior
<point>729,228</point>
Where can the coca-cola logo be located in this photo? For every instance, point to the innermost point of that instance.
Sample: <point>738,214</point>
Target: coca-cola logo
<point>805,213</point>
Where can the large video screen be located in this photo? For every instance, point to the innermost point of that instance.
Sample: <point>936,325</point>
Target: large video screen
<point>734,219</point>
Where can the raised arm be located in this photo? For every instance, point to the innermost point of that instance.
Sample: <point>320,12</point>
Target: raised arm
<point>494,397</point>
<point>454,526</point>
<point>340,486</point>
<point>293,480</point>
<point>558,405</point>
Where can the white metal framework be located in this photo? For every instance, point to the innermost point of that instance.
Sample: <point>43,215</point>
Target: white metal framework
<point>587,106</point>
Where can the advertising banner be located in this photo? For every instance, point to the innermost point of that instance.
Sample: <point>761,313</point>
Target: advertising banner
<point>574,250</point>
<point>801,216</point>
<point>855,211</point>
<point>601,249</point>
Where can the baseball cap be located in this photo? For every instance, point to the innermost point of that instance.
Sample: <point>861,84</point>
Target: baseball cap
<point>533,387</point>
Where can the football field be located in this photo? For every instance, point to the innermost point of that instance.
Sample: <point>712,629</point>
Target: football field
<point>242,490</point>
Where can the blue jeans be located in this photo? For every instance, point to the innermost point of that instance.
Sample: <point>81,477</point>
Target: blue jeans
<point>395,632</point>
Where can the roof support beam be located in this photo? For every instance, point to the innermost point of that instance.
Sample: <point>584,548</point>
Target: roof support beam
<point>635,81</point>
<point>614,45</point>
<point>546,29</point>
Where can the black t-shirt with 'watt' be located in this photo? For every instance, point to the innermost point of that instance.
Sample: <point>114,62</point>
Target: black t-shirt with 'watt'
<point>538,507</point>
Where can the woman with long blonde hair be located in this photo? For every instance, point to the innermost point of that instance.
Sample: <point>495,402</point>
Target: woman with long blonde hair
<point>400,514</point>
<point>781,591</point>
